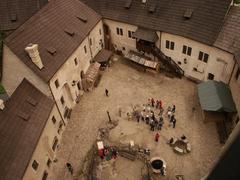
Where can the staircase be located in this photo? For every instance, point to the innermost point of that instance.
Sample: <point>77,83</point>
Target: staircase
<point>168,63</point>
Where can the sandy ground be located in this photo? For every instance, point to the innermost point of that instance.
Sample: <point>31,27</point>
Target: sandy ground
<point>128,87</point>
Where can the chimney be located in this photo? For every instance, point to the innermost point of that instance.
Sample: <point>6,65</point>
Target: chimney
<point>32,50</point>
<point>2,104</point>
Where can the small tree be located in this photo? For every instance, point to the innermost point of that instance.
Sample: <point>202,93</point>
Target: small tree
<point>236,1</point>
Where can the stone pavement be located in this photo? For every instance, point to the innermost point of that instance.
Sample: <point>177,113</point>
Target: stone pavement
<point>128,87</point>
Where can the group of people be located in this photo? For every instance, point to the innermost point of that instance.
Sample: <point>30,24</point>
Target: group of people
<point>171,115</point>
<point>108,153</point>
<point>155,121</point>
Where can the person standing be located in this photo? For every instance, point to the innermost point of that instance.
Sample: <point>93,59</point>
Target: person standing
<point>160,104</point>
<point>106,92</point>
<point>172,117</point>
<point>157,104</point>
<point>174,122</point>
<point>70,168</point>
<point>157,137</point>
<point>174,109</point>
<point>153,102</point>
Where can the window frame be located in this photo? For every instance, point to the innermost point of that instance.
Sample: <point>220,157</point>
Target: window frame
<point>167,45</point>
<point>56,83</point>
<point>54,120</point>
<point>85,49</point>
<point>62,100</point>
<point>35,165</point>
<point>55,143</point>
<point>75,61</point>
<point>172,45</point>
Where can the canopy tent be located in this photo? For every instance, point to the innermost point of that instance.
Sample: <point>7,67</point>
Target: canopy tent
<point>215,96</point>
<point>146,34</point>
<point>103,56</point>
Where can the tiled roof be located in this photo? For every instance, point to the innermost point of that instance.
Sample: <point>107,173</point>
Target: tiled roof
<point>202,22</point>
<point>21,124</point>
<point>229,37</point>
<point>16,12</point>
<point>47,28</point>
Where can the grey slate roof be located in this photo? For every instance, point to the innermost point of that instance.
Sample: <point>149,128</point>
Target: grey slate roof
<point>47,29</point>
<point>19,137</point>
<point>215,96</point>
<point>204,25</point>
<point>19,9</point>
<point>229,37</point>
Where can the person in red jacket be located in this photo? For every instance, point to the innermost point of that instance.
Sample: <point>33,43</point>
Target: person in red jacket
<point>157,137</point>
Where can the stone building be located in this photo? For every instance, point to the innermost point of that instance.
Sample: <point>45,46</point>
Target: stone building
<point>202,37</point>
<point>53,49</point>
<point>31,129</point>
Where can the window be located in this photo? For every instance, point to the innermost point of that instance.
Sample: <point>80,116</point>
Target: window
<point>75,61</point>
<point>56,84</point>
<point>90,41</point>
<point>130,34</point>
<point>85,49</point>
<point>170,45</point>
<point>119,31</point>
<point>53,120</point>
<point>35,165</point>
<point>55,142</point>
<point>237,74</point>
<point>203,56</point>
<point>187,50</point>
<point>100,31</point>
<point>210,76</point>
<point>123,48</point>
<point>49,162</point>
<point>184,50</point>
<point>167,44</point>
<point>60,127</point>
<point>45,175</point>
<point>62,100</point>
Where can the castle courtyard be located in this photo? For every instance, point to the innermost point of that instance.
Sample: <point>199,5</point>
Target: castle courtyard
<point>127,87</point>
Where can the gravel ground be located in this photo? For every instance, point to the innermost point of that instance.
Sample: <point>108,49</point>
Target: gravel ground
<point>128,87</point>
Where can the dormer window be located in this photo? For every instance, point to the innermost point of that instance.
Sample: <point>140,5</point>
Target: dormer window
<point>13,17</point>
<point>68,31</point>
<point>51,50</point>
<point>82,18</point>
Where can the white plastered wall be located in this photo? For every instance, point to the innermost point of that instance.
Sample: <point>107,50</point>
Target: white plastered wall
<point>43,150</point>
<point>220,63</point>
<point>70,72</point>
<point>14,70</point>
<point>119,41</point>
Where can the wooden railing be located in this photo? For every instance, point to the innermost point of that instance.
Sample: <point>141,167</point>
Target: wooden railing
<point>170,64</point>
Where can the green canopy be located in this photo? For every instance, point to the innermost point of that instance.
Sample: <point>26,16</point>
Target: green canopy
<point>215,96</point>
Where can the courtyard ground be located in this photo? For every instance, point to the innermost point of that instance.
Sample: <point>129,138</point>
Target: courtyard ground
<point>127,87</point>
